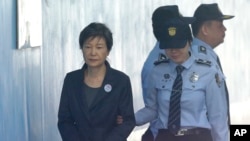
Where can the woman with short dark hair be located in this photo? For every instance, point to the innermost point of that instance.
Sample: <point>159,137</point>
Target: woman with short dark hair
<point>95,95</point>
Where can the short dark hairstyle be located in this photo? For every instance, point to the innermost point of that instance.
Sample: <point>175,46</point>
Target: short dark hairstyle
<point>96,29</point>
<point>196,27</point>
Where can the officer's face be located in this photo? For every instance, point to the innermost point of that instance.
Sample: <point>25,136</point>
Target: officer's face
<point>215,32</point>
<point>178,55</point>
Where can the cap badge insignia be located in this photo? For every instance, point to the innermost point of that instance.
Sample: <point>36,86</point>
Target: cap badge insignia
<point>171,31</point>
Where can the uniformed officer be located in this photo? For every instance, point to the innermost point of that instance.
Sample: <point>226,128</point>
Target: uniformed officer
<point>209,32</point>
<point>161,14</point>
<point>187,105</point>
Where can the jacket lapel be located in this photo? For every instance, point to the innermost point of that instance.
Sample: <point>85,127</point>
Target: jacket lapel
<point>79,92</point>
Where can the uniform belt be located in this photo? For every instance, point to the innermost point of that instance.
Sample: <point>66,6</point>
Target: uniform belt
<point>182,132</point>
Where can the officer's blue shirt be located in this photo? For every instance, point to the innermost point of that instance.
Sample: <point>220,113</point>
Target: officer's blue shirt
<point>154,55</point>
<point>149,64</point>
<point>203,101</point>
<point>203,50</point>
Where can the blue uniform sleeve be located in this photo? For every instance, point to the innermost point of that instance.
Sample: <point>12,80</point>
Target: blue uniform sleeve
<point>217,108</point>
<point>148,66</point>
<point>149,112</point>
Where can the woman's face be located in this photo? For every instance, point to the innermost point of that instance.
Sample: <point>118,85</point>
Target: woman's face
<point>178,55</point>
<point>95,51</point>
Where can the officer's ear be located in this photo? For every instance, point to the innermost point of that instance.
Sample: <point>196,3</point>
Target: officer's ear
<point>204,29</point>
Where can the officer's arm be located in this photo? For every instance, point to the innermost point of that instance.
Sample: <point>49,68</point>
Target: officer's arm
<point>217,108</point>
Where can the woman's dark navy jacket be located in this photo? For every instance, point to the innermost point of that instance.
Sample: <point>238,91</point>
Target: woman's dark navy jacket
<point>78,122</point>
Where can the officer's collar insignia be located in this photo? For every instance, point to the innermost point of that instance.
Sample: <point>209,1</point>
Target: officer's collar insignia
<point>204,62</point>
<point>217,79</point>
<point>202,49</point>
<point>162,58</point>
<point>194,77</point>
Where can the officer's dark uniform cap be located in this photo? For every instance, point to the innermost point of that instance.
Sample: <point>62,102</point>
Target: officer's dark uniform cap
<point>175,34</point>
<point>207,12</point>
<point>165,13</point>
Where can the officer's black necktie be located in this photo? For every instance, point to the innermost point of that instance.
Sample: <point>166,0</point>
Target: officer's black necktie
<point>227,95</point>
<point>174,107</point>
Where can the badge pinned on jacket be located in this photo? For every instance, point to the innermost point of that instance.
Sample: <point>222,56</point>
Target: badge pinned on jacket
<point>107,88</point>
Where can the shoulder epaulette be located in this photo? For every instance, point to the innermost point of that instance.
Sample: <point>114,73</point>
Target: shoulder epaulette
<point>204,62</point>
<point>162,58</point>
<point>202,49</point>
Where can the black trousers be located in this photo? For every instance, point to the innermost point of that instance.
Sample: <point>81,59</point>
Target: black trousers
<point>165,135</point>
<point>147,136</point>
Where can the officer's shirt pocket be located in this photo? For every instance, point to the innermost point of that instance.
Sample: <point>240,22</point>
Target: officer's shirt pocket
<point>193,94</point>
<point>164,89</point>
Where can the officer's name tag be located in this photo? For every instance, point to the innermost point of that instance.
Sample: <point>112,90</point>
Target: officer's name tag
<point>239,132</point>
